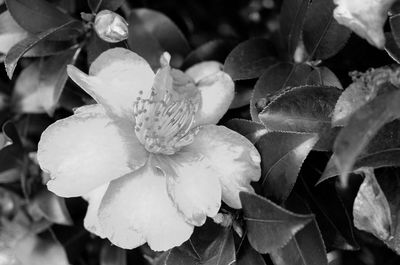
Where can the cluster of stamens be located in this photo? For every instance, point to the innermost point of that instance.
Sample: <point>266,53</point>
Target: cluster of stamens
<point>163,125</point>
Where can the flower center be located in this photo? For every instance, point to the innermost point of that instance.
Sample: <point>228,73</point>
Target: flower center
<point>163,125</point>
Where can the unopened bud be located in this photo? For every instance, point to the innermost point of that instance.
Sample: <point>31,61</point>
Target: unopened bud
<point>110,26</point>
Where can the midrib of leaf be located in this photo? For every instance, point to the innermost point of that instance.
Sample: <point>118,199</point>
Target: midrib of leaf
<point>321,38</point>
<point>299,250</point>
<point>292,27</point>
<point>324,212</point>
<point>273,166</point>
<point>265,221</point>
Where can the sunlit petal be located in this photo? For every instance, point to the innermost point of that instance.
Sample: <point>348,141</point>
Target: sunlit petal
<point>364,17</point>
<point>193,185</point>
<point>91,221</point>
<point>136,208</point>
<point>216,89</point>
<point>233,156</point>
<point>86,150</point>
<point>115,80</point>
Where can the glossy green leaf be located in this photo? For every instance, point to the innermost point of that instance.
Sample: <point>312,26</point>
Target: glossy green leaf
<point>269,226</point>
<point>304,109</point>
<point>391,47</point>
<point>247,255</point>
<point>293,14</point>
<point>274,81</point>
<point>362,127</point>
<point>249,129</point>
<point>282,155</point>
<point>323,36</point>
<point>395,26</point>
<point>249,59</point>
<point>322,76</point>
<point>382,151</point>
<point>40,16</point>
<point>18,50</point>
<point>151,33</point>
<point>306,247</point>
<point>215,50</point>
<point>331,215</point>
<point>210,245</point>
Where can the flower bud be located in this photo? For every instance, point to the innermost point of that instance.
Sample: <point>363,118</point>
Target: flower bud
<point>110,26</point>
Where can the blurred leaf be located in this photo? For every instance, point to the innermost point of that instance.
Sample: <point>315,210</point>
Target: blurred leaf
<point>332,217</point>
<point>306,247</point>
<point>97,5</point>
<point>273,82</point>
<point>95,47</point>
<point>215,50</point>
<point>323,36</point>
<point>18,50</point>
<point>362,127</point>
<point>27,247</point>
<point>40,16</point>
<point>269,226</point>
<point>304,109</point>
<point>391,47</point>
<point>11,33</point>
<point>382,151</point>
<point>322,76</point>
<point>282,155</point>
<point>293,14</point>
<point>112,255</point>
<point>10,203</point>
<point>33,250</point>
<point>371,210</point>
<point>249,59</point>
<point>51,207</point>
<point>11,154</point>
<point>151,33</point>
<point>249,129</point>
<point>199,250</point>
<point>39,86</point>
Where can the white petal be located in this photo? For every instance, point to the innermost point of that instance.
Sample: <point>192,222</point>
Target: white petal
<point>86,150</point>
<point>364,17</point>
<point>91,221</point>
<point>136,209</point>
<point>115,80</point>
<point>233,156</point>
<point>193,186</point>
<point>217,91</point>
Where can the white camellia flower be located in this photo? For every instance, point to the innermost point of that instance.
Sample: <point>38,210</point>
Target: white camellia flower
<point>148,157</point>
<point>364,17</point>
